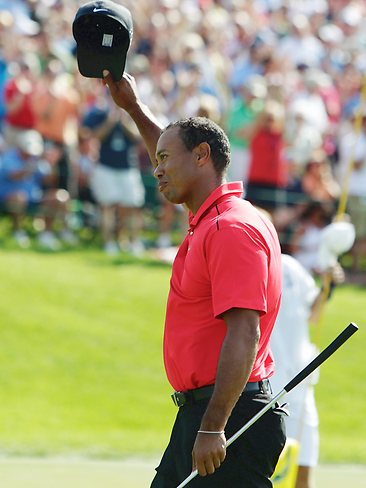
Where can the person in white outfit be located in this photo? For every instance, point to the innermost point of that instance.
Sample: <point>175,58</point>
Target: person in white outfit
<point>293,350</point>
<point>301,305</point>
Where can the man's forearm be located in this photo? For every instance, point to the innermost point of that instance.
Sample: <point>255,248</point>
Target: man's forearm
<point>236,360</point>
<point>148,126</point>
<point>234,368</point>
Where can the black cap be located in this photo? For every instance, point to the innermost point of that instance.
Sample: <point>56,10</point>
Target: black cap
<point>103,33</point>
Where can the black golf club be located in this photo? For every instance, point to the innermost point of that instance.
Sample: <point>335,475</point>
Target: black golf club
<point>315,363</point>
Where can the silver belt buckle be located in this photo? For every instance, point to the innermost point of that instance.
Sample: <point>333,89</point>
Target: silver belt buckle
<point>179,398</point>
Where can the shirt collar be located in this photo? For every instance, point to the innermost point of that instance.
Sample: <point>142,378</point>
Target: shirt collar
<point>232,188</point>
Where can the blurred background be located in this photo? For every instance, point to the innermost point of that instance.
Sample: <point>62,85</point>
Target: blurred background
<point>85,270</point>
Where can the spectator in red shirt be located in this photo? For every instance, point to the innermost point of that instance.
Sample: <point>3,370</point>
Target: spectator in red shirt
<point>268,168</point>
<point>18,92</point>
<point>223,301</point>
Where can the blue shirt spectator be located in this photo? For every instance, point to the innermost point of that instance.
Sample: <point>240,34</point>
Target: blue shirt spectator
<point>20,172</point>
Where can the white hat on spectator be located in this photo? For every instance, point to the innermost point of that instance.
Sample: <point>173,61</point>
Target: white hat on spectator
<point>351,15</point>
<point>316,78</point>
<point>31,142</point>
<point>331,34</point>
<point>257,86</point>
<point>335,239</point>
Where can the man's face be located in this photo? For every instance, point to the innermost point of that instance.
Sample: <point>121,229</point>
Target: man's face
<point>175,167</point>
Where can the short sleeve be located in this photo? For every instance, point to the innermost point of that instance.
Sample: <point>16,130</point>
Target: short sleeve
<point>237,260</point>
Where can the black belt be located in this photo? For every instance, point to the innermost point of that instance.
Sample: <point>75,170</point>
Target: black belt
<point>190,397</point>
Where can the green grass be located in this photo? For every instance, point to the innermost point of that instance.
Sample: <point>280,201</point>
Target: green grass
<point>130,473</point>
<point>81,368</point>
<point>341,392</point>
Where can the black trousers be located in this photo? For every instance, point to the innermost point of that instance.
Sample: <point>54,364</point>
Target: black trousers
<point>250,460</point>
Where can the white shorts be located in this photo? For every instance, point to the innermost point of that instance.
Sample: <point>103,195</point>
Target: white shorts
<point>117,186</point>
<point>302,425</point>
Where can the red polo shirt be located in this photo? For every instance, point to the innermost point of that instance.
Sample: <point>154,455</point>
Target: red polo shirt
<point>230,258</point>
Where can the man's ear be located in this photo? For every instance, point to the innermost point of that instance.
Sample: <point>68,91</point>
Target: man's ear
<point>202,153</point>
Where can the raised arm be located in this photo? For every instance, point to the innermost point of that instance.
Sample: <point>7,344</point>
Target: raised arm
<point>125,96</point>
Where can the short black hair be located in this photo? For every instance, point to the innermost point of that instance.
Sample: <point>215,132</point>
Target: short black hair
<point>194,130</point>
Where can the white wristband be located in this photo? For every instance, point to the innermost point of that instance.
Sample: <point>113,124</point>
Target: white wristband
<point>217,432</point>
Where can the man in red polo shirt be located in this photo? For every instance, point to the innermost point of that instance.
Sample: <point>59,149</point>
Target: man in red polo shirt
<point>224,297</point>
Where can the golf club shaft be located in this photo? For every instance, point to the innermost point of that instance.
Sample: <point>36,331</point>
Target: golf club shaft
<point>256,417</point>
<point>323,356</point>
<point>315,363</point>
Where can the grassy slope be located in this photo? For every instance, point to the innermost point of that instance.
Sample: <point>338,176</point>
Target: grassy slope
<point>81,367</point>
<point>341,392</point>
<point>81,362</point>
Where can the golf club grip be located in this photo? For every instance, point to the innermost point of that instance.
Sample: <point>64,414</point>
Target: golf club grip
<point>323,356</point>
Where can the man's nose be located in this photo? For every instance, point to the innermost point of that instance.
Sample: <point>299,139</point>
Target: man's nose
<point>158,171</point>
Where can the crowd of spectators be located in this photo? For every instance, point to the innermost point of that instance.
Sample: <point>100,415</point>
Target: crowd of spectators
<point>284,78</point>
